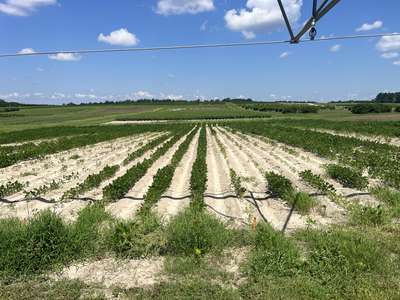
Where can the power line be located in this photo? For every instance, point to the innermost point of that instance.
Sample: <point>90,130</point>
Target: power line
<point>195,46</point>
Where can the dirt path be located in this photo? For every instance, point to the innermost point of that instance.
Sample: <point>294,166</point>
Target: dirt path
<point>127,207</point>
<point>177,197</point>
<point>220,197</point>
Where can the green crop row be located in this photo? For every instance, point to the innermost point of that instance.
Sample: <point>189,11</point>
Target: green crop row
<point>347,176</point>
<point>382,161</point>
<point>138,153</point>
<point>198,178</point>
<point>375,128</point>
<point>91,182</point>
<point>317,182</point>
<point>10,188</point>
<point>120,186</point>
<point>162,179</point>
<point>104,133</point>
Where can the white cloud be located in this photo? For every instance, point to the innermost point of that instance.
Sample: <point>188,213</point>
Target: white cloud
<point>396,63</point>
<point>143,95</point>
<point>284,54</point>
<point>372,26</point>
<point>121,37</point>
<point>262,15</point>
<point>389,43</point>
<point>390,55</point>
<point>179,7</point>
<point>39,69</point>
<point>26,51</point>
<point>336,48</point>
<point>23,8</point>
<point>65,57</point>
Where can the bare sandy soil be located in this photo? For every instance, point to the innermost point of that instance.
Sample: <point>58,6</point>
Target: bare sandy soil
<point>115,273</point>
<point>177,197</point>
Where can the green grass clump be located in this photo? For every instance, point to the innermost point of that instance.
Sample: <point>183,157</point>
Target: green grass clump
<point>194,232</point>
<point>141,237</point>
<point>278,185</point>
<point>341,260</point>
<point>273,254</point>
<point>31,248</point>
<point>301,201</point>
<point>89,231</point>
<point>368,215</point>
<point>347,177</point>
<point>184,289</point>
<point>389,197</point>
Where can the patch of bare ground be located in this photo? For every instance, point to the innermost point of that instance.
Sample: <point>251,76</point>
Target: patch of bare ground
<point>127,207</point>
<point>112,273</point>
<point>177,197</point>
<point>220,197</point>
<point>67,171</point>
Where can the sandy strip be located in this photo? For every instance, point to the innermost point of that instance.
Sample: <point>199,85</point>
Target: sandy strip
<point>127,207</point>
<point>220,197</point>
<point>111,272</point>
<point>177,197</point>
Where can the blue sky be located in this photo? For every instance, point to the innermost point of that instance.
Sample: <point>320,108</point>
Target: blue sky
<point>326,70</point>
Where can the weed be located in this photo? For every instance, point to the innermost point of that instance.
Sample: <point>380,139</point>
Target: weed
<point>192,231</point>
<point>141,237</point>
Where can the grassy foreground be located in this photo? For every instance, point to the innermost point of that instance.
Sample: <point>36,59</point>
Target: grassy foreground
<point>351,262</point>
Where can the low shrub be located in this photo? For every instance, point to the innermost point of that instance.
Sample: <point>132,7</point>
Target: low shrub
<point>195,232</point>
<point>368,108</point>
<point>141,237</point>
<point>347,177</point>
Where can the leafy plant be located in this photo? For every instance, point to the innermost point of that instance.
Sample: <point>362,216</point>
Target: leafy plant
<point>10,188</point>
<point>279,186</point>
<point>198,177</point>
<point>317,182</point>
<point>236,183</point>
<point>347,177</point>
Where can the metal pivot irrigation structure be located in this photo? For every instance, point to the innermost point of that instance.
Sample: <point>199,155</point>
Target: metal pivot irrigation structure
<point>319,10</point>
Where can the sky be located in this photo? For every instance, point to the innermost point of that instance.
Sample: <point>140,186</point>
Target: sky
<point>320,71</point>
